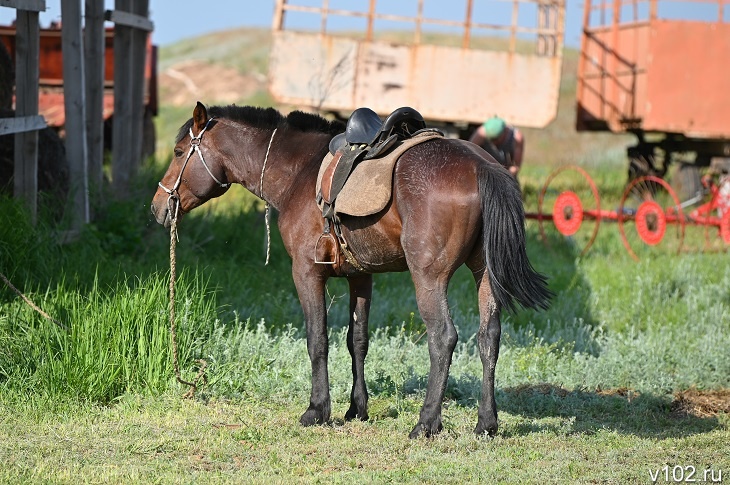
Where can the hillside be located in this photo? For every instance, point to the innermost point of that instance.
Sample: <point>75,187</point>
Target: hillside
<point>231,67</point>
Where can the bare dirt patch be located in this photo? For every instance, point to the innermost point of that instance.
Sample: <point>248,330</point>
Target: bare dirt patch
<point>689,402</point>
<point>702,404</point>
<point>207,82</point>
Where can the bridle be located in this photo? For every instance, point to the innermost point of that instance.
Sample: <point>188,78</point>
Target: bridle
<point>194,147</point>
<point>173,196</point>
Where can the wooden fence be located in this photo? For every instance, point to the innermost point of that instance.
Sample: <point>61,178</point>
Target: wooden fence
<point>83,79</point>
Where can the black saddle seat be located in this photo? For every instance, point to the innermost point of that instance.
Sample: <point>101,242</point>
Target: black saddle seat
<point>364,127</point>
<point>403,122</point>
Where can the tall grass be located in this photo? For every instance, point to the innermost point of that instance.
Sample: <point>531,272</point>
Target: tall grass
<point>110,295</point>
<point>117,339</point>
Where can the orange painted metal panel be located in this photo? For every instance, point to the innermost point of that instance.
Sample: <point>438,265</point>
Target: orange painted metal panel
<point>688,84</point>
<point>654,75</point>
<point>50,96</point>
<point>612,78</point>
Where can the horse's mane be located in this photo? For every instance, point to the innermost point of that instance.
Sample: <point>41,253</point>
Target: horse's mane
<point>312,122</point>
<point>269,118</point>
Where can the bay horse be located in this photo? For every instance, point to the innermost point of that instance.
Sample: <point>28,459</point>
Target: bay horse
<point>451,204</point>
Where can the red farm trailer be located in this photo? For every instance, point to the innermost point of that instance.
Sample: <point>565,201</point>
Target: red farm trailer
<point>645,72</point>
<point>647,69</point>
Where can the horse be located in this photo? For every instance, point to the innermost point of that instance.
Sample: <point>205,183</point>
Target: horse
<point>451,204</point>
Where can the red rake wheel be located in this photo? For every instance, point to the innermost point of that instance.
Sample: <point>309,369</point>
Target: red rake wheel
<point>719,218</point>
<point>651,223</point>
<point>650,217</point>
<point>725,228</point>
<point>567,213</point>
<point>569,208</point>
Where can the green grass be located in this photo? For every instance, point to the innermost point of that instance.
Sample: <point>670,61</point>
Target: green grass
<point>584,389</point>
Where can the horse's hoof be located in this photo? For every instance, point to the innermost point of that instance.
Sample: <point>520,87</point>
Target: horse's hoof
<point>353,414</point>
<point>425,430</point>
<point>312,417</point>
<point>483,429</point>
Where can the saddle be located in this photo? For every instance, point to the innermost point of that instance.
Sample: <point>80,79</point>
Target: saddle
<point>366,137</point>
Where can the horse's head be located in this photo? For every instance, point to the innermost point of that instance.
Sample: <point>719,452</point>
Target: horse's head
<point>196,173</point>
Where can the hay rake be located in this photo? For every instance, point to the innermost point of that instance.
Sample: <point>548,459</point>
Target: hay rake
<point>649,214</point>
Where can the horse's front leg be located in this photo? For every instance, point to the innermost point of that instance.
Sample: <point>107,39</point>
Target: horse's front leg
<point>361,290</point>
<point>310,287</point>
<point>442,337</point>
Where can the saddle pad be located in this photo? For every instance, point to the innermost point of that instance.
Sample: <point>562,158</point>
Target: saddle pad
<point>370,185</point>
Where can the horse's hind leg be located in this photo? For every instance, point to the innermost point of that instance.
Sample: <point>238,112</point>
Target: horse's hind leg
<point>488,336</point>
<point>434,309</point>
<point>361,289</point>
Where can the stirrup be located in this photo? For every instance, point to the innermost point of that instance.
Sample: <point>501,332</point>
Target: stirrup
<point>329,249</point>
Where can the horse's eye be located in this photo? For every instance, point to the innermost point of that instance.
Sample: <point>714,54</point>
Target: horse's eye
<point>178,152</point>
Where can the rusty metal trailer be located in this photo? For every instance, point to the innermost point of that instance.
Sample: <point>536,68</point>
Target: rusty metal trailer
<point>490,57</point>
<point>645,70</point>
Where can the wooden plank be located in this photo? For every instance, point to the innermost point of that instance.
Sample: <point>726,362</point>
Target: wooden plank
<point>122,139</point>
<point>94,71</point>
<point>138,21</point>
<point>27,49</point>
<point>9,126</point>
<point>75,109</point>
<point>137,68</point>
<point>27,5</point>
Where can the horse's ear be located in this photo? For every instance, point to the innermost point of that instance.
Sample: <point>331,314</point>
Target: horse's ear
<point>200,116</point>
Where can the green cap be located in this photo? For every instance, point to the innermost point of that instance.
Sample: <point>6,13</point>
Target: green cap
<point>494,126</point>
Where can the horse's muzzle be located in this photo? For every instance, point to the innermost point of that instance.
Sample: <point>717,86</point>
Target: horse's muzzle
<point>162,214</point>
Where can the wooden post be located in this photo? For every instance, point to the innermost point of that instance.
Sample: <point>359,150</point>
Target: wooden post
<point>74,93</point>
<point>122,121</point>
<point>25,185</point>
<point>131,27</point>
<point>94,50</point>
<point>138,62</point>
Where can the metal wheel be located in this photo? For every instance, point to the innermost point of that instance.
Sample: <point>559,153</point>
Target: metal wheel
<point>569,208</point>
<point>650,217</point>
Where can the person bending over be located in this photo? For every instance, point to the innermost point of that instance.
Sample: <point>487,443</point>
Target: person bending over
<point>504,142</point>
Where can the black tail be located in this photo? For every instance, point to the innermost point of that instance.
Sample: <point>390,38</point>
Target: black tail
<point>511,275</point>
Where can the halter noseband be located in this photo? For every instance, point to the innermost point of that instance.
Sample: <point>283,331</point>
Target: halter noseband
<point>194,147</point>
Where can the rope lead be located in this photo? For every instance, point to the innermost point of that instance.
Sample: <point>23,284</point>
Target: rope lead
<point>193,386</point>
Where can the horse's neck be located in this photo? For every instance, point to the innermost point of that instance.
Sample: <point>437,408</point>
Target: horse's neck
<point>278,160</point>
